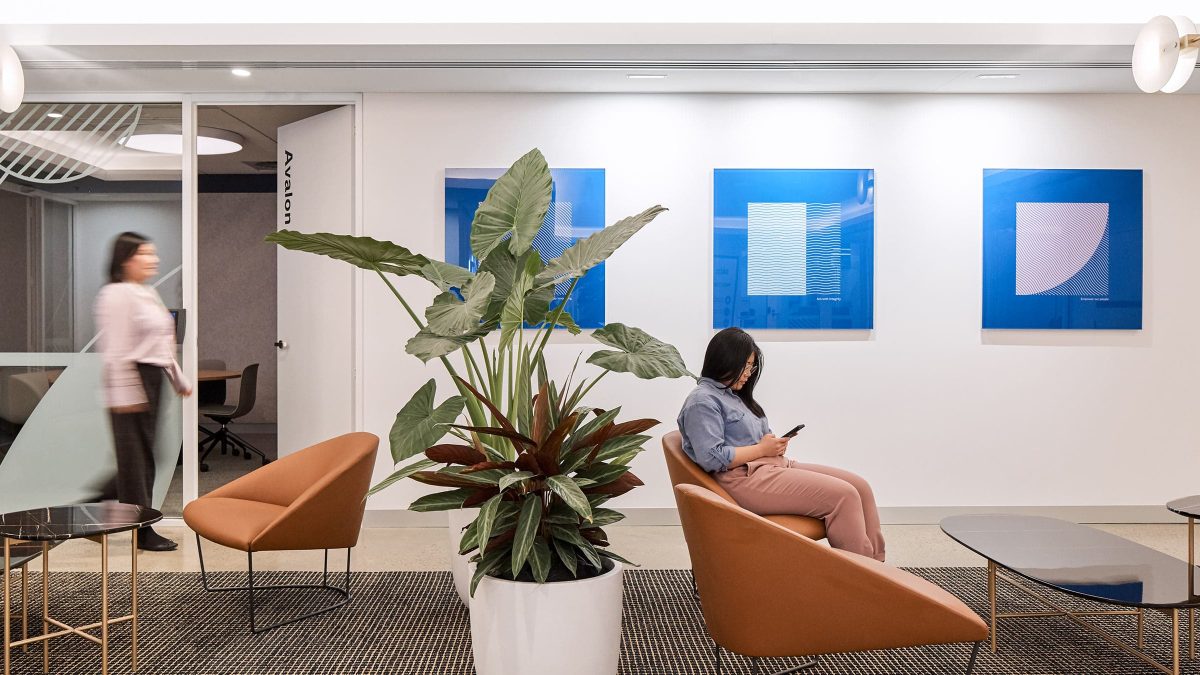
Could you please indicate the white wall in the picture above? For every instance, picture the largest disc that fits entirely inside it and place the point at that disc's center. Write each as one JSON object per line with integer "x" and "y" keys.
{"x": 934, "y": 411}
{"x": 97, "y": 224}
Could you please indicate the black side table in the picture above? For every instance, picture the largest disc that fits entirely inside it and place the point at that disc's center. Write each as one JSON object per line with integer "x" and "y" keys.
{"x": 1189, "y": 507}
{"x": 48, "y": 526}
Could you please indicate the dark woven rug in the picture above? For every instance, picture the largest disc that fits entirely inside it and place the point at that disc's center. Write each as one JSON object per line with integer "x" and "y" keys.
{"x": 412, "y": 623}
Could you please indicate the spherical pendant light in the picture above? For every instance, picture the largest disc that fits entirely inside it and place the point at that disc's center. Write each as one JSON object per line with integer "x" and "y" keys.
{"x": 1164, "y": 55}
{"x": 12, "y": 80}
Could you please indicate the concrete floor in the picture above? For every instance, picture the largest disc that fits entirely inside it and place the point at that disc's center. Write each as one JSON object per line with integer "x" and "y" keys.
{"x": 382, "y": 549}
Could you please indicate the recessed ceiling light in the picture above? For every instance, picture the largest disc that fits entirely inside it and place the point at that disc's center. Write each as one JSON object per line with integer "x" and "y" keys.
{"x": 646, "y": 76}
{"x": 998, "y": 76}
{"x": 54, "y": 115}
{"x": 209, "y": 141}
{"x": 240, "y": 72}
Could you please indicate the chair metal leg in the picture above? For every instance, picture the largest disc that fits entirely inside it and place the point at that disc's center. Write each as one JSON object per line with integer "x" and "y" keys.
{"x": 755, "y": 663}
{"x": 974, "y": 654}
{"x": 247, "y": 448}
{"x": 717, "y": 648}
{"x": 252, "y": 589}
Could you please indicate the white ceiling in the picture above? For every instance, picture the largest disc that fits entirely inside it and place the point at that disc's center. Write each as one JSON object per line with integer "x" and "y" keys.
{"x": 899, "y": 58}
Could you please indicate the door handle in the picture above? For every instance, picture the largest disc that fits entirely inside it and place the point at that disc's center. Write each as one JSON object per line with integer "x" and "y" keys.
{"x": 281, "y": 344}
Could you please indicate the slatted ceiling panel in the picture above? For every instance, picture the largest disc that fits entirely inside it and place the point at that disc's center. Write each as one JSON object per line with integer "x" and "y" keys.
{"x": 51, "y": 143}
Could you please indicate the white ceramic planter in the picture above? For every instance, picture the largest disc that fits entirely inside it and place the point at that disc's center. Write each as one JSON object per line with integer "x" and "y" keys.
{"x": 520, "y": 628}
{"x": 460, "y": 567}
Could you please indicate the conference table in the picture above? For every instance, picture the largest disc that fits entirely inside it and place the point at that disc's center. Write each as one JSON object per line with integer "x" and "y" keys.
{"x": 217, "y": 375}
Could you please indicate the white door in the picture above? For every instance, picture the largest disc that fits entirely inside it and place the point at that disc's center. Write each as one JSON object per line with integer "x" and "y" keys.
{"x": 315, "y": 296}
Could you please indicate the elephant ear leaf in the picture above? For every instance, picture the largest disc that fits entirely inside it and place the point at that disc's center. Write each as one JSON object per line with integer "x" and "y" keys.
{"x": 640, "y": 353}
{"x": 419, "y": 424}
{"x": 515, "y": 207}
{"x": 445, "y": 275}
{"x": 595, "y": 249}
{"x": 448, "y": 316}
{"x": 365, "y": 252}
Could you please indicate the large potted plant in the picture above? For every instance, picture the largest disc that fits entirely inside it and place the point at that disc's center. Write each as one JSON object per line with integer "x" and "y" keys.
{"x": 537, "y": 462}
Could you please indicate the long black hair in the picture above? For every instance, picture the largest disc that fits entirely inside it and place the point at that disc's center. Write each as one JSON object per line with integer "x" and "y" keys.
{"x": 125, "y": 246}
{"x": 725, "y": 359}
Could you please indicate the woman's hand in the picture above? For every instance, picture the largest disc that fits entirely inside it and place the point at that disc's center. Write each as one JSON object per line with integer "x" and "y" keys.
{"x": 772, "y": 446}
{"x": 186, "y": 392}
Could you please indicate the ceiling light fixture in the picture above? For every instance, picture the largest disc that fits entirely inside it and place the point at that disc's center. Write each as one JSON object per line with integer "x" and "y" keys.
{"x": 12, "y": 80}
{"x": 998, "y": 76}
{"x": 240, "y": 72}
{"x": 1164, "y": 54}
{"x": 646, "y": 76}
{"x": 54, "y": 115}
{"x": 209, "y": 141}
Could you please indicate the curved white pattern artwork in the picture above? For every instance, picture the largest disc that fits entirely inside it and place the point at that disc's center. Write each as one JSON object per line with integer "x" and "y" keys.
{"x": 793, "y": 248}
{"x": 1056, "y": 241}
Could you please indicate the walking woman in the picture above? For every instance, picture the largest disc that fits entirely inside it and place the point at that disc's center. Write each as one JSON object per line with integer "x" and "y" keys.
{"x": 137, "y": 343}
{"x": 725, "y": 431}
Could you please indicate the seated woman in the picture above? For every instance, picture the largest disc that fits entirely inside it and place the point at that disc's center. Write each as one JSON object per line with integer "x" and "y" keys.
{"x": 725, "y": 431}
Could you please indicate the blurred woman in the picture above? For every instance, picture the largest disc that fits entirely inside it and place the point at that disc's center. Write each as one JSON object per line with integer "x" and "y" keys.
{"x": 137, "y": 343}
{"x": 725, "y": 431}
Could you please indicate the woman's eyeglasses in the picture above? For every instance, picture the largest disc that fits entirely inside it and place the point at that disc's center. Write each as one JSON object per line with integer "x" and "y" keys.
{"x": 750, "y": 370}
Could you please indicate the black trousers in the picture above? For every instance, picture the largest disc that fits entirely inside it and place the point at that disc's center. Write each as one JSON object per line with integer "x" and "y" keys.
{"x": 133, "y": 434}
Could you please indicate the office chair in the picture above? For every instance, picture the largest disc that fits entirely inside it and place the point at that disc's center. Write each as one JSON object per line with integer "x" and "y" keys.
{"x": 224, "y": 414}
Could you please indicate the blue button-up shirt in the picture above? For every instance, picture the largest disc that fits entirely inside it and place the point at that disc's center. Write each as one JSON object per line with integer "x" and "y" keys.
{"x": 714, "y": 421}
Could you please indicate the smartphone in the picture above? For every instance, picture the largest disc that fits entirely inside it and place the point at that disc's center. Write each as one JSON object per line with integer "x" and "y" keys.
{"x": 795, "y": 430}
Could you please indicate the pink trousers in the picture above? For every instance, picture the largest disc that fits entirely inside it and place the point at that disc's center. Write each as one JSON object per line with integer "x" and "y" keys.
{"x": 844, "y": 500}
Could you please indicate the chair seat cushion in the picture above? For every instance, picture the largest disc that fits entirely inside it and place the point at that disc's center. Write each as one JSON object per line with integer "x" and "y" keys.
{"x": 813, "y": 528}
{"x": 235, "y": 523}
{"x": 217, "y": 410}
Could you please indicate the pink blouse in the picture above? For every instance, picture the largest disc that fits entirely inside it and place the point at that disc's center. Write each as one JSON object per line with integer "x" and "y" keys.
{"x": 135, "y": 327}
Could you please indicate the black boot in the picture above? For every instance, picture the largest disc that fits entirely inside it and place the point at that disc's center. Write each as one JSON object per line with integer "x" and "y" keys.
{"x": 149, "y": 540}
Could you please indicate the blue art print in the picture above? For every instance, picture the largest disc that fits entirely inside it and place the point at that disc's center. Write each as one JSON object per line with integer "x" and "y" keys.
{"x": 576, "y": 211}
{"x": 1062, "y": 248}
{"x": 793, "y": 248}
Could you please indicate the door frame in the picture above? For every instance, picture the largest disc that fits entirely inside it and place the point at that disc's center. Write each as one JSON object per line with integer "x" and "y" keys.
{"x": 191, "y": 103}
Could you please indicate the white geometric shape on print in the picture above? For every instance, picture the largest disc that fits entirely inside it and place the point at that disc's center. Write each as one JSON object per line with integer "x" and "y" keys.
{"x": 777, "y": 248}
{"x": 555, "y": 236}
{"x": 824, "y": 249}
{"x": 1055, "y": 241}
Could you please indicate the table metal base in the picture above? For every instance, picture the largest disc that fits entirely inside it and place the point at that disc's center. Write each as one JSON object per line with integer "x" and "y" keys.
{"x": 1078, "y": 618}
{"x": 65, "y": 629}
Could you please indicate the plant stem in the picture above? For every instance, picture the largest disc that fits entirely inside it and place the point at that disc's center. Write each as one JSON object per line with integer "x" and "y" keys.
{"x": 592, "y": 384}
{"x": 557, "y": 315}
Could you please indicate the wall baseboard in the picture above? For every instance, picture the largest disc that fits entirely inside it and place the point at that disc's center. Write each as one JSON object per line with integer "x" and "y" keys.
{"x": 890, "y": 515}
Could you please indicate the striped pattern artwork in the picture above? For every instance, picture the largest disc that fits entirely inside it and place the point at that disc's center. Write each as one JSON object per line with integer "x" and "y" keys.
{"x": 556, "y": 235}
{"x": 1062, "y": 249}
{"x": 793, "y": 249}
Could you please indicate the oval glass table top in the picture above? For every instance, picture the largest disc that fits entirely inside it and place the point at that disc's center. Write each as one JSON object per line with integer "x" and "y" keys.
{"x": 1077, "y": 559}
{"x": 1186, "y": 506}
{"x": 56, "y": 523}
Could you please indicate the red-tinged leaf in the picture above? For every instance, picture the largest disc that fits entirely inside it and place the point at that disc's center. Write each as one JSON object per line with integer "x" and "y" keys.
{"x": 484, "y": 466}
{"x": 500, "y": 540}
{"x": 527, "y": 462}
{"x": 444, "y": 479}
{"x": 454, "y": 453}
{"x": 620, "y": 486}
{"x": 500, "y": 418}
{"x": 541, "y": 414}
{"x": 611, "y": 431}
{"x": 512, "y": 435}
{"x": 595, "y": 536}
{"x": 480, "y": 496}
{"x": 547, "y": 454}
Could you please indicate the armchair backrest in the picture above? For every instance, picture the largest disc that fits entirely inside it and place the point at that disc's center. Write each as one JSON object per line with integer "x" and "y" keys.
{"x": 767, "y": 591}
{"x": 684, "y": 471}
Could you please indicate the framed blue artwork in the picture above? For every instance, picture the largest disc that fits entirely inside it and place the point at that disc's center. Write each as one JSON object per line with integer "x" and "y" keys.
{"x": 1062, "y": 248}
{"x": 576, "y": 211}
{"x": 793, "y": 248}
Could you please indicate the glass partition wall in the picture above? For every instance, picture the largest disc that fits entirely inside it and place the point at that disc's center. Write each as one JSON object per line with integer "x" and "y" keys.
{"x": 71, "y": 180}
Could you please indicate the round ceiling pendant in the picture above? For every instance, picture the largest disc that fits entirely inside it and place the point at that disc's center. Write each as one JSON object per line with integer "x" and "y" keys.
{"x": 1156, "y": 53}
{"x": 12, "y": 80}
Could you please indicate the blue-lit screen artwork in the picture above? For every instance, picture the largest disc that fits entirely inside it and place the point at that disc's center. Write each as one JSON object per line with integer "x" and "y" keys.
{"x": 576, "y": 211}
{"x": 793, "y": 248}
{"x": 1062, "y": 248}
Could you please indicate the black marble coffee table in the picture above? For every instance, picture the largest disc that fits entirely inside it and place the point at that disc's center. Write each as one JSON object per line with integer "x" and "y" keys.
{"x": 1080, "y": 561}
{"x": 45, "y": 527}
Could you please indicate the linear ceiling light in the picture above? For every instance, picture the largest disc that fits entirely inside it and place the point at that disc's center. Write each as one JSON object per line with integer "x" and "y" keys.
{"x": 12, "y": 80}
{"x": 1164, "y": 54}
{"x": 209, "y": 141}
{"x": 998, "y": 76}
{"x": 646, "y": 76}
{"x": 240, "y": 72}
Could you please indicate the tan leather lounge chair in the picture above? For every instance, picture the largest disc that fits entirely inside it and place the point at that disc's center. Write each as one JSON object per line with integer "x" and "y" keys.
{"x": 684, "y": 470}
{"x": 766, "y": 592}
{"x": 312, "y": 499}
